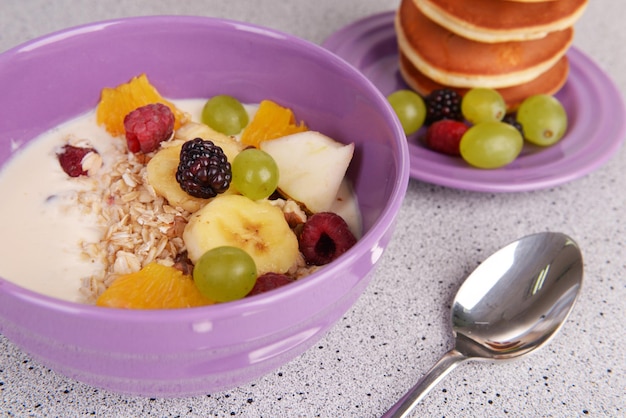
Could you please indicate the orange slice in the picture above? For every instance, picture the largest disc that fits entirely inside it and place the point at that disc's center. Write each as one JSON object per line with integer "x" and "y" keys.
{"x": 271, "y": 121}
{"x": 153, "y": 287}
{"x": 116, "y": 103}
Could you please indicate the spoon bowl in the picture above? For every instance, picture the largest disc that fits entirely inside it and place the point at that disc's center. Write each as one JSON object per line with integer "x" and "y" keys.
{"x": 513, "y": 303}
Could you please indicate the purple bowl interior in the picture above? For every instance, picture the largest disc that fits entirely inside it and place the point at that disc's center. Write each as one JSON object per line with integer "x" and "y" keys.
{"x": 55, "y": 78}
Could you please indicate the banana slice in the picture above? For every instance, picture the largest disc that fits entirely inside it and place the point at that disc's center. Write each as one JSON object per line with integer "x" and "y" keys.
{"x": 256, "y": 227}
{"x": 228, "y": 144}
{"x": 162, "y": 167}
{"x": 162, "y": 177}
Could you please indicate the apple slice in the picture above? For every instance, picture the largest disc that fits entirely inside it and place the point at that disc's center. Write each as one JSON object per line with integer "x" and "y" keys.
{"x": 311, "y": 167}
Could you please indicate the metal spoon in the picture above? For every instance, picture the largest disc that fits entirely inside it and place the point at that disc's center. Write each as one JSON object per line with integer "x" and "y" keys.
{"x": 513, "y": 303}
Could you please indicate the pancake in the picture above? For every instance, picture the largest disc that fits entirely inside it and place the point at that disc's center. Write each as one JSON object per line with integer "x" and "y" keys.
{"x": 455, "y": 61}
{"x": 549, "y": 82}
{"x": 502, "y": 21}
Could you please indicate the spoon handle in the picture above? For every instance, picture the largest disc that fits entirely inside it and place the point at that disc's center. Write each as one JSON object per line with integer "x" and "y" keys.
{"x": 440, "y": 370}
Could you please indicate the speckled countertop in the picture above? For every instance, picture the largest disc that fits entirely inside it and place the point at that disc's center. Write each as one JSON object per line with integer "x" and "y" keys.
{"x": 399, "y": 327}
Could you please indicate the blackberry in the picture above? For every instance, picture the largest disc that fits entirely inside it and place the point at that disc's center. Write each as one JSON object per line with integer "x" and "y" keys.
{"x": 443, "y": 104}
{"x": 511, "y": 120}
{"x": 204, "y": 170}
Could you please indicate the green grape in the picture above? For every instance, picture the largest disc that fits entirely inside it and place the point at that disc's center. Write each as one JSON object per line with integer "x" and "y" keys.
{"x": 543, "y": 119}
{"x": 255, "y": 173}
{"x": 225, "y": 114}
{"x": 491, "y": 144}
{"x": 225, "y": 273}
{"x": 483, "y": 105}
{"x": 410, "y": 109}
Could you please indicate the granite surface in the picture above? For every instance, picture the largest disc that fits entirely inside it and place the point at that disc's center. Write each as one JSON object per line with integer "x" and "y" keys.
{"x": 400, "y": 326}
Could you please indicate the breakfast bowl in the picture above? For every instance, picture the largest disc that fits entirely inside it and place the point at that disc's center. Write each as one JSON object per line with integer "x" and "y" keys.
{"x": 185, "y": 352}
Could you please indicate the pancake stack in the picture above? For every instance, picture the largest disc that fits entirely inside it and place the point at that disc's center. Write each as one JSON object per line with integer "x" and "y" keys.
{"x": 517, "y": 47}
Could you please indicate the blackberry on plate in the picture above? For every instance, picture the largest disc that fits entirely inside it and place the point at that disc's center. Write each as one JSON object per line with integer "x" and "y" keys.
{"x": 511, "y": 120}
{"x": 443, "y": 104}
{"x": 204, "y": 170}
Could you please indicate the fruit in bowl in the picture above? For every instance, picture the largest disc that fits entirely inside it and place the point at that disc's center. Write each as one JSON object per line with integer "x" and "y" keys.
{"x": 172, "y": 195}
{"x": 181, "y": 352}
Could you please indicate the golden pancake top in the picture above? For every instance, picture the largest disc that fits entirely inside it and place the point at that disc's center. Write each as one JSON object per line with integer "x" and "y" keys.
{"x": 502, "y": 21}
{"x": 456, "y": 61}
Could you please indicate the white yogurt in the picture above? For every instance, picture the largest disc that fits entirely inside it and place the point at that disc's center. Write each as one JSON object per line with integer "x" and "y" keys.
{"x": 41, "y": 233}
{"x": 42, "y": 230}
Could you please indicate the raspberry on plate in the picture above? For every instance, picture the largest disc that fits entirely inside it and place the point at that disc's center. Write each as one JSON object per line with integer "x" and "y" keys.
{"x": 445, "y": 135}
{"x": 147, "y": 126}
{"x": 324, "y": 237}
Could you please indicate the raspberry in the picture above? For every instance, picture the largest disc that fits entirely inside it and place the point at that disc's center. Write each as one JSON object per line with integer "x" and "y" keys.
{"x": 445, "y": 135}
{"x": 204, "y": 170}
{"x": 147, "y": 126}
{"x": 324, "y": 237}
{"x": 443, "y": 104}
{"x": 269, "y": 281}
{"x": 71, "y": 160}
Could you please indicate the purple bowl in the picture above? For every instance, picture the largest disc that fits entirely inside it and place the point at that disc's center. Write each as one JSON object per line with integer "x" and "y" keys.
{"x": 200, "y": 350}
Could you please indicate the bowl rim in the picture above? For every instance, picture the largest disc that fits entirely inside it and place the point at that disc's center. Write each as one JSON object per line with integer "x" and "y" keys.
{"x": 368, "y": 241}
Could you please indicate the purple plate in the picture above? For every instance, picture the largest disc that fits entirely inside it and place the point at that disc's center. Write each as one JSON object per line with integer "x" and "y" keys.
{"x": 593, "y": 104}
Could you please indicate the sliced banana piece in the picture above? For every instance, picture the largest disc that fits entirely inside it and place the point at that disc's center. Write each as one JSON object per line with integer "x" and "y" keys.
{"x": 228, "y": 144}
{"x": 256, "y": 227}
{"x": 162, "y": 177}
{"x": 162, "y": 167}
